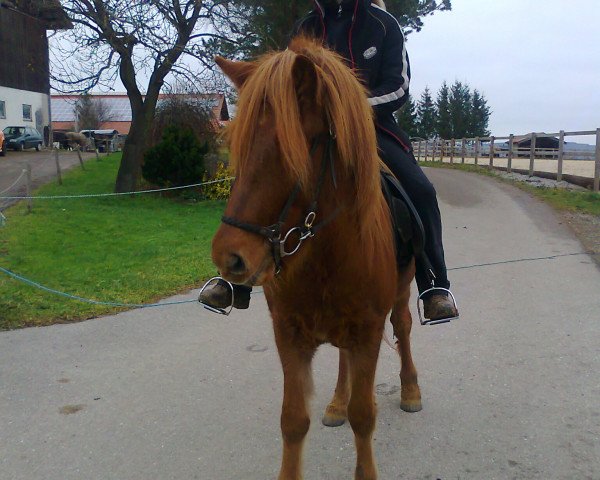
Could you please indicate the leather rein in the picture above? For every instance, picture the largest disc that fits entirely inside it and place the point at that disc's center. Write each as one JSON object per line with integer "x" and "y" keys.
{"x": 307, "y": 229}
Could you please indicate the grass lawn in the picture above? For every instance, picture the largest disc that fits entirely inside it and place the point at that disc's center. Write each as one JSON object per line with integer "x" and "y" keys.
{"x": 575, "y": 201}
{"x": 130, "y": 249}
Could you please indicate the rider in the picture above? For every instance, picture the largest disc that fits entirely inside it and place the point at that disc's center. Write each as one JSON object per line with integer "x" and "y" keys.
{"x": 372, "y": 42}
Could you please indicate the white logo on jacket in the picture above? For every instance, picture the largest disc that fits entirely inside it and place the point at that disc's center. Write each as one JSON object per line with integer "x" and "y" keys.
{"x": 370, "y": 53}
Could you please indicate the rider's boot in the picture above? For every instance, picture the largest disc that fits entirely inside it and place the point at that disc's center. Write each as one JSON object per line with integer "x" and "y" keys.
{"x": 218, "y": 295}
{"x": 439, "y": 307}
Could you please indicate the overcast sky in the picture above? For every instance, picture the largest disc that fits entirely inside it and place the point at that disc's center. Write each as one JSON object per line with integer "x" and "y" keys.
{"x": 536, "y": 61}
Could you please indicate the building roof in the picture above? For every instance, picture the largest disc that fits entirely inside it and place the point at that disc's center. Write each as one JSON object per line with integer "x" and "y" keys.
{"x": 49, "y": 11}
{"x": 119, "y": 108}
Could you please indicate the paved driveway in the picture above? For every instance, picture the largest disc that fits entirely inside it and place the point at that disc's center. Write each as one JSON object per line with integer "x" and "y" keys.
{"x": 511, "y": 390}
{"x": 43, "y": 168}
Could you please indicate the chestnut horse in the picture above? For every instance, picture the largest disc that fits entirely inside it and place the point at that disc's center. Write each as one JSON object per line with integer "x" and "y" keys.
{"x": 307, "y": 220}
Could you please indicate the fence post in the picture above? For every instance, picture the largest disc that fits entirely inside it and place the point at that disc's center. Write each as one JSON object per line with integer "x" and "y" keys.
{"x": 532, "y": 154}
{"x": 597, "y": 169}
{"x": 58, "y": 172}
{"x": 477, "y": 151}
{"x": 511, "y": 144}
{"x": 561, "y": 153}
{"x": 426, "y": 145}
{"x": 464, "y": 150}
{"x": 452, "y": 146}
{"x": 419, "y": 151}
{"x": 79, "y": 155}
{"x": 492, "y": 140}
{"x": 442, "y": 149}
{"x": 97, "y": 155}
{"x": 29, "y": 188}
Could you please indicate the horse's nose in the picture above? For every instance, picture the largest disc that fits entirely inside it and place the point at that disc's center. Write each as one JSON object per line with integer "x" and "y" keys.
{"x": 236, "y": 264}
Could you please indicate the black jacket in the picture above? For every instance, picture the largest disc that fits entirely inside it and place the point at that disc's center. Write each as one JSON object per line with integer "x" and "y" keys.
{"x": 372, "y": 42}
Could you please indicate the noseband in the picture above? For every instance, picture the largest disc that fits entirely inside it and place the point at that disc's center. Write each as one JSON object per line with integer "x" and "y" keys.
{"x": 307, "y": 229}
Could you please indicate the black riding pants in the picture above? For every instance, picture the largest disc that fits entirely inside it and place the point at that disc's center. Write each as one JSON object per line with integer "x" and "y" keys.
{"x": 423, "y": 195}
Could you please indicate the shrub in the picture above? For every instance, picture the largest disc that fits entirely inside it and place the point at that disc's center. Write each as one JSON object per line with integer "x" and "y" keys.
{"x": 177, "y": 160}
{"x": 221, "y": 190}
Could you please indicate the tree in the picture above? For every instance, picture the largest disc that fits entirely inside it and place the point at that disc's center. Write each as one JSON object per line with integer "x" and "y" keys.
{"x": 480, "y": 116}
{"x": 443, "y": 122}
{"x": 426, "y": 115}
{"x": 460, "y": 110}
{"x": 407, "y": 117}
{"x": 91, "y": 112}
{"x": 177, "y": 160}
{"x": 185, "y": 111}
{"x": 411, "y": 12}
{"x": 457, "y": 113}
{"x": 132, "y": 40}
{"x": 256, "y": 26}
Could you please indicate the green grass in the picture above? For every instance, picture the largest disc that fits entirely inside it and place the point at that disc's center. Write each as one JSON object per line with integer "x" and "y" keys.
{"x": 575, "y": 201}
{"x": 132, "y": 249}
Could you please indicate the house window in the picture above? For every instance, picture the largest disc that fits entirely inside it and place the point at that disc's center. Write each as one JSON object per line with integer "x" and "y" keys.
{"x": 2, "y": 109}
{"x": 27, "y": 113}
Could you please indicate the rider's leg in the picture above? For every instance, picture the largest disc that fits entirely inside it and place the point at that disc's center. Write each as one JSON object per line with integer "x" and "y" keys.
{"x": 423, "y": 195}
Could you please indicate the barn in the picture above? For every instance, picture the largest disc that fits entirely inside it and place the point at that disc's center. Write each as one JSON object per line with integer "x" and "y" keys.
{"x": 117, "y": 109}
{"x": 545, "y": 146}
{"x": 24, "y": 61}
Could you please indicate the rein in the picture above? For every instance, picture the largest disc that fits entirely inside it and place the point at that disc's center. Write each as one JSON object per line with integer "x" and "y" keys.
{"x": 308, "y": 229}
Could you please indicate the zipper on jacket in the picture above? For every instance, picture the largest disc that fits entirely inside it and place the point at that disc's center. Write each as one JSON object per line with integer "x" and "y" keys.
{"x": 339, "y": 14}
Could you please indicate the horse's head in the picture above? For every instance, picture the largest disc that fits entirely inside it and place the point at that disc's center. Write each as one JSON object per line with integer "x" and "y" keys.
{"x": 289, "y": 102}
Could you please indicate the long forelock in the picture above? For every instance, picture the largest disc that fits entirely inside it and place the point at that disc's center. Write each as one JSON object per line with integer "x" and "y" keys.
{"x": 271, "y": 90}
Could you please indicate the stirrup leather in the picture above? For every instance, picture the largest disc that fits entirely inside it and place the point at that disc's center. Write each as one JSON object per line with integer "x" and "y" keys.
{"x": 210, "y": 308}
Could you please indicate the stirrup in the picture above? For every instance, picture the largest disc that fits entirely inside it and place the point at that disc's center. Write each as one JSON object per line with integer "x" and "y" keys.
{"x": 210, "y": 308}
{"x": 425, "y": 321}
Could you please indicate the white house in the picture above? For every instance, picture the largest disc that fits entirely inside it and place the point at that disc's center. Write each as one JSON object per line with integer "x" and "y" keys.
{"x": 24, "y": 61}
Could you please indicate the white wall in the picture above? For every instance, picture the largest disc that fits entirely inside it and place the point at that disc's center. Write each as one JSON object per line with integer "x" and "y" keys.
{"x": 14, "y": 100}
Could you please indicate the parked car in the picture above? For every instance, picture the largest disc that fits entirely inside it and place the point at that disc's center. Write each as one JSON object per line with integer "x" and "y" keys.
{"x": 20, "y": 138}
{"x": 2, "y": 144}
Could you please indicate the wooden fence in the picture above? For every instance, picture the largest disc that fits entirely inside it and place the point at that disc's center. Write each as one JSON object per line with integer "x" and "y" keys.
{"x": 488, "y": 148}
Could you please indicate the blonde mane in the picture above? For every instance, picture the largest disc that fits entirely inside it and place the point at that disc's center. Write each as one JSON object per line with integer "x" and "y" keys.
{"x": 341, "y": 98}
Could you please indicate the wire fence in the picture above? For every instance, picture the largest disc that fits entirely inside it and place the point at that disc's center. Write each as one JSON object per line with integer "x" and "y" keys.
{"x": 27, "y": 174}
{"x": 114, "y": 194}
{"x": 29, "y": 197}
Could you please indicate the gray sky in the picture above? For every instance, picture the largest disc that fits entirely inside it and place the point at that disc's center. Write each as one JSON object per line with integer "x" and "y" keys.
{"x": 536, "y": 61}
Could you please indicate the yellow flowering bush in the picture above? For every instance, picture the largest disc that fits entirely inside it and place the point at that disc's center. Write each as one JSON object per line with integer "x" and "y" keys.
{"x": 220, "y": 190}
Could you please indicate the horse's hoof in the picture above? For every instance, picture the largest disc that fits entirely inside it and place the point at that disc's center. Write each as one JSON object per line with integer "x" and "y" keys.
{"x": 333, "y": 417}
{"x": 411, "y": 406}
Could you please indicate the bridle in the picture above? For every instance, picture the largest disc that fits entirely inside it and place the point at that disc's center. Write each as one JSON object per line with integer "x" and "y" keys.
{"x": 307, "y": 229}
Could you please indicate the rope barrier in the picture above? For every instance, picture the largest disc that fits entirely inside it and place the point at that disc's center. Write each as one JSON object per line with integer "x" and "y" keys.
{"x": 165, "y": 304}
{"x": 98, "y": 195}
{"x": 87, "y": 300}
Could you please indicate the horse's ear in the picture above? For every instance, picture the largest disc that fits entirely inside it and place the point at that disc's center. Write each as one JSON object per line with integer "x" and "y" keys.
{"x": 305, "y": 80}
{"x": 238, "y": 72}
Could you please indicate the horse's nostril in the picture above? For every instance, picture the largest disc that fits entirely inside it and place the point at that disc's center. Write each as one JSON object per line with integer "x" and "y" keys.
{"x": 236, "y": 264}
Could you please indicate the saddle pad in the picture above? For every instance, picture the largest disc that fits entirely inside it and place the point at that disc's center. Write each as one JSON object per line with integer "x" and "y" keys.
{"x": 409, "y": 234}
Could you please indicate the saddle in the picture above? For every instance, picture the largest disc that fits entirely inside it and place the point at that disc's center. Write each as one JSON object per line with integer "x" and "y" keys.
{"x": 409, "y": 234}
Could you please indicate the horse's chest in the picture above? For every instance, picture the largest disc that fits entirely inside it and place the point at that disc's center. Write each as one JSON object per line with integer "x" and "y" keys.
{"x": 342, "y": 331}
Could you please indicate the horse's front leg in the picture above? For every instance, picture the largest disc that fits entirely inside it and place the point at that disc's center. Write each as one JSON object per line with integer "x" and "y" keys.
{"x": 401, "y": 319}
{"x": 362, "y": 410}
{"x": 337, "y": 410}
{"x": 297, "y": 387}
